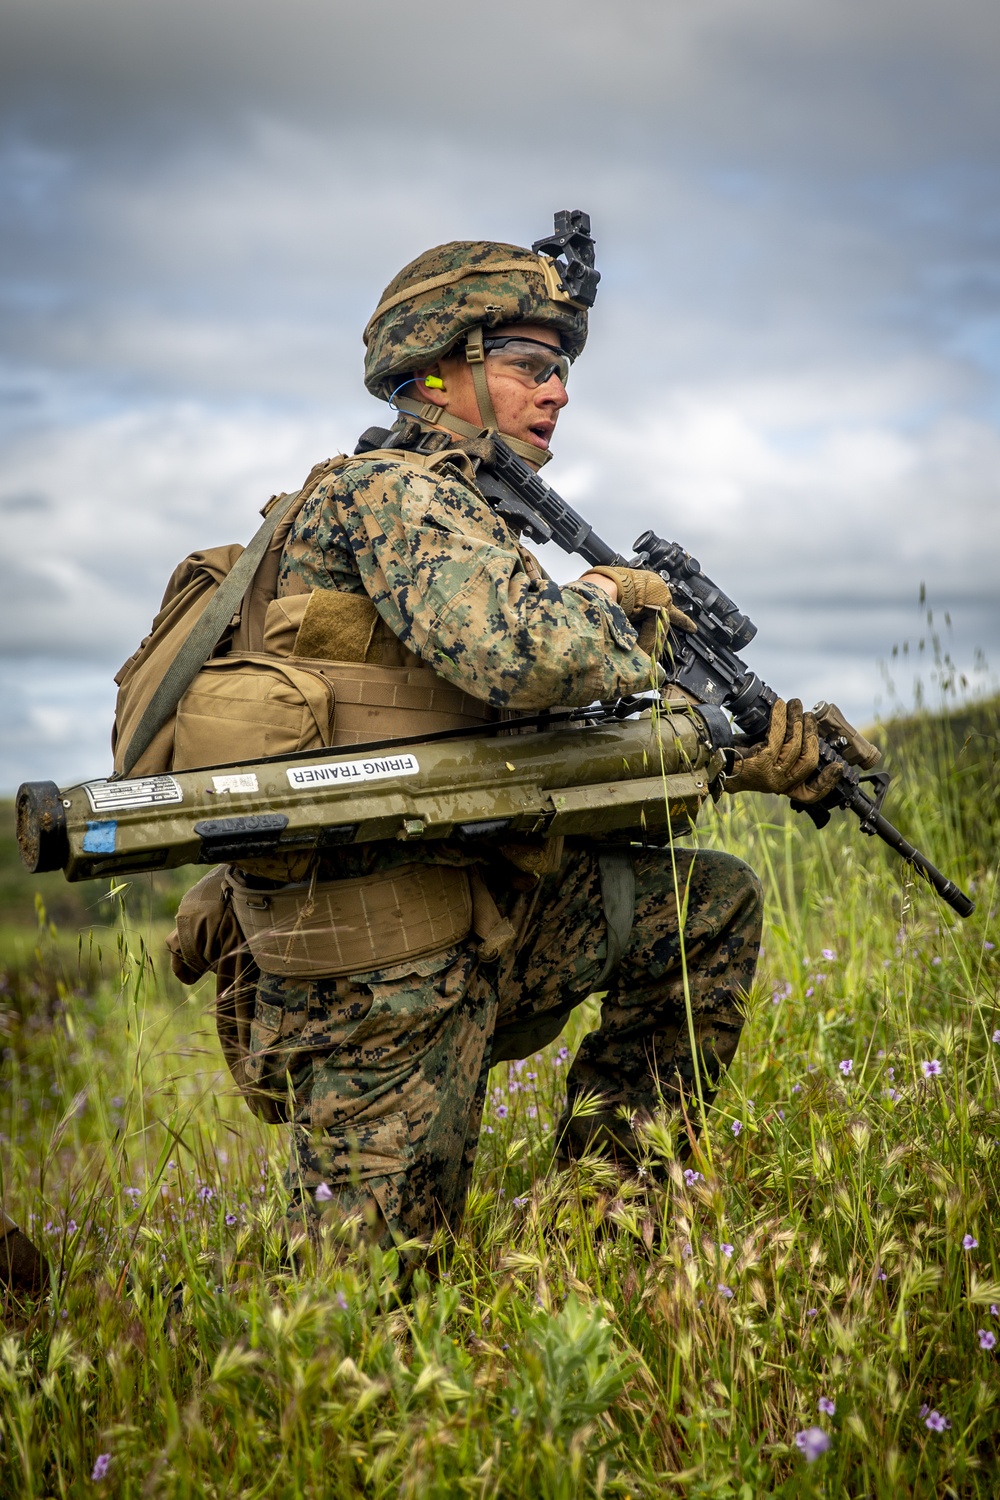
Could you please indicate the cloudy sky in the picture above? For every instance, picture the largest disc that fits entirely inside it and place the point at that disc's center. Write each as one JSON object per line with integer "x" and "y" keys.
{"x": 795, "y": 360}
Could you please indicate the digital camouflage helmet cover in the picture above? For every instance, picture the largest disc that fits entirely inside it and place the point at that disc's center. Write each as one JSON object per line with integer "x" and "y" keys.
{"x": 456, "y": 291}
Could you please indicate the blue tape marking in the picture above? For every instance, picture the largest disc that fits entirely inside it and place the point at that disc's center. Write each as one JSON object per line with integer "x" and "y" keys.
{"x": 100, "y": 838}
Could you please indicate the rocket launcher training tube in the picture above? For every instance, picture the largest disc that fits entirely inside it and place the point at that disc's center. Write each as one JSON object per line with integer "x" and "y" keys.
{"x": 648, "y": 773}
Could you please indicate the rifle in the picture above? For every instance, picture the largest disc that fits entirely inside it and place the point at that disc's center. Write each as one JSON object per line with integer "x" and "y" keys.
{"x": 706, "y": 664}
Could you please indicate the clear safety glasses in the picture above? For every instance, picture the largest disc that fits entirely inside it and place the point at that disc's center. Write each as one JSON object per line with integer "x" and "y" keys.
{"x": 527, "y": 360}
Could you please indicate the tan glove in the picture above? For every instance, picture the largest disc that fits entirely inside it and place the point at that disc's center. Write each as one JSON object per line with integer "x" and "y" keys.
{"x": 786, "y": 760}
{"x": 646, "y": 599}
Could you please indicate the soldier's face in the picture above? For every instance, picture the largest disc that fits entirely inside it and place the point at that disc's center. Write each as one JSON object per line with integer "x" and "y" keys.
{"x": 524, "y": 410}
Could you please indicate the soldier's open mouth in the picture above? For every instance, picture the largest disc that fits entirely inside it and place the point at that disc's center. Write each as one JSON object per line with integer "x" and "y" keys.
{"x": 542, "y": 431}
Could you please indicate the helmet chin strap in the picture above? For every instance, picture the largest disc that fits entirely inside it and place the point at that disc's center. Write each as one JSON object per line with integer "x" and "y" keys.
{"x": 475, "y": 356}
{"x": 438, "y": 417}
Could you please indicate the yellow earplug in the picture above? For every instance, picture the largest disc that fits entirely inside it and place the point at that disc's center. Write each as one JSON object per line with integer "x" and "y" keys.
{"x": 434, "y": 381}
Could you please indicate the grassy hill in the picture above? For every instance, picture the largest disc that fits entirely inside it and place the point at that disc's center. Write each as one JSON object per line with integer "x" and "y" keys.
{"x": 809, "y": 1305}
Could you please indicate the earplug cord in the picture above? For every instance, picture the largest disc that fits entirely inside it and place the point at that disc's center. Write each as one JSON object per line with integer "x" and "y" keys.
{"x": 392, "y": 399}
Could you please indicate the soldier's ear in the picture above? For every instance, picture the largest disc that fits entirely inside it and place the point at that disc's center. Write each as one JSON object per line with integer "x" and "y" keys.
{"x": 430, "y": 385}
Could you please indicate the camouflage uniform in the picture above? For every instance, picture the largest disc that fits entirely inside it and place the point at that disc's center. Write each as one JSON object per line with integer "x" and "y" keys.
{"x": 455, "y": 587}
{"x": 388, "y": 1069}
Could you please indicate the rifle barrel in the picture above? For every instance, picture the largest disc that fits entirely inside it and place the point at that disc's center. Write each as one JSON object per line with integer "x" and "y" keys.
{"x": 872, "y": 821}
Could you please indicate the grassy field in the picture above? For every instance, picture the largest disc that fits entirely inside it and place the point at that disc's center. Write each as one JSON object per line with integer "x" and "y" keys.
{"x": 809, "y": 1306}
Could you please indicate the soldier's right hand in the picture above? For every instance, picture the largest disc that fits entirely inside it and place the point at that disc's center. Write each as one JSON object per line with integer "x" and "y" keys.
{"x": 786, "y": 761}
{"x": 647, "y": 601}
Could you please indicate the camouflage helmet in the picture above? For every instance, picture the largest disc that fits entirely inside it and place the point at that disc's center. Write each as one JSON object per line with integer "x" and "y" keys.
{"x": 454, "y": 288}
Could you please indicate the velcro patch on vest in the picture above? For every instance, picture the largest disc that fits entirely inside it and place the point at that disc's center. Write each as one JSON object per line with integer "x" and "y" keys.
{"x": 302, "y": 778}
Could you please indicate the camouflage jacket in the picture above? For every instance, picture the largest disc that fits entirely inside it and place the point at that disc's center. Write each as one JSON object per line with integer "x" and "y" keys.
{"x": 455, "y": 586}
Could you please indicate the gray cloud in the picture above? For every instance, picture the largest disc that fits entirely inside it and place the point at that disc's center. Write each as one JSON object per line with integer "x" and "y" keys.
{"x": 795, "y": 358}
{"x": 877, "y": 80}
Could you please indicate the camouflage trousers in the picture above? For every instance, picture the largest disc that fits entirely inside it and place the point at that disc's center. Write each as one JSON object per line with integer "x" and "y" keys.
{"x": 385, "y": 1074}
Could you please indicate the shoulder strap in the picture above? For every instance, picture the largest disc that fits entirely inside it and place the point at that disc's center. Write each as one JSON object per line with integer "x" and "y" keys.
{"x": 205, "y": 636}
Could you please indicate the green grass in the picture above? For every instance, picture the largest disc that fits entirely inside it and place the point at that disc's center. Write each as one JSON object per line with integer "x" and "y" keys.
{"x": 667, "y": 1337}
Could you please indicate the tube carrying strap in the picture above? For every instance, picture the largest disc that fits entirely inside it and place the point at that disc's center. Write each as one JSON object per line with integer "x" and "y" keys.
{"x": 208, "y": 631}
{"x": 617, "y": 874}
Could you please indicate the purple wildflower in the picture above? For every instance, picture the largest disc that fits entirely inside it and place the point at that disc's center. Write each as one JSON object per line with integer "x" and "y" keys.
{"x": 812, "y": 1442}
{"x": 501, "y": 1111}
{"x": 994, "y": 1310}
{"x": 987, "y": 1340}
{"x": 811, "y": 1312}
{"x": 726, "y": 1291}
{"x": 341, "y": 1301}
{"x": 936, "y": 1422}
{"x": 809, "y": 993}
{"x": 519, "y": 1202}
{"x": 726, "y": 1249}
{"x": 796, "y": 1088}
{"x": 996, "y": 1036}
{"x": 100, "y": 1468}
{"x": 205, "y": 1193}
{"x": 969, "y": 1242}
{"x": 736, "y": 1127}
{"x": 323, "y": 1193}
{"x": 563, "y": 1054}
{"x": 827, "y": 1406}
{"x": 829, "y": 955}
{"x": 691, "y": 1176}
{"x": 846, "y": 1066}
{"x": 532, "y": 1112}
{"x": 988, "y": 947}
{"x": 931, "y": 1068}
{"x": 230, "y": 1220}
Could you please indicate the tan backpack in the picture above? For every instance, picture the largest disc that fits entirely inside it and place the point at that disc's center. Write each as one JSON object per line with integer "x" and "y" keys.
{"x": 203, "y": 688}
{"x": 230, "y": 673}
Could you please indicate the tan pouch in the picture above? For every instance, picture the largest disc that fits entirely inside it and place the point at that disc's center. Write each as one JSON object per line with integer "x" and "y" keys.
{"x": 208, "y": 938}
{"x": 206, "y": 928}
{"x": 332, "y": 927}
{"x": 248, "y": 706}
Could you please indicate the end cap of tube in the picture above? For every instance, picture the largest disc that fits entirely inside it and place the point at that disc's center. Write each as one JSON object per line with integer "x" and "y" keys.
{"x": 41, "y": 827}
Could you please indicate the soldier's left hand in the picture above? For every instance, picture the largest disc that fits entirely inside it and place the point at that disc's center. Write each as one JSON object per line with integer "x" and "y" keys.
{"x": 786, "y": 761}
